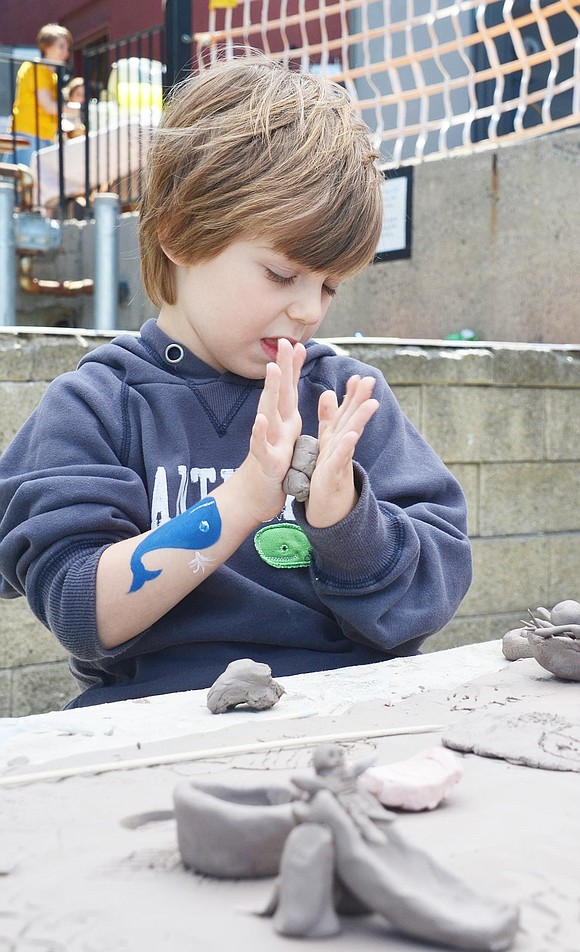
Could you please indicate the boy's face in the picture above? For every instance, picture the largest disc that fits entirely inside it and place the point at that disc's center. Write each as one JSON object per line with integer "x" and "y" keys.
{"x": 58, "y": 51}
{"x": 231, "y": 311}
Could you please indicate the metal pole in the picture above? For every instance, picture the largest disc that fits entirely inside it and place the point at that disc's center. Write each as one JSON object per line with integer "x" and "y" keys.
{"x": 106, "y": 251}
{"x": 7, "y": 256}
{"x": 178, "y": 34}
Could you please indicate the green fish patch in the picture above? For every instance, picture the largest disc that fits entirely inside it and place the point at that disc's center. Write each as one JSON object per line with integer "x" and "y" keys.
{"x": 284, "y": 546}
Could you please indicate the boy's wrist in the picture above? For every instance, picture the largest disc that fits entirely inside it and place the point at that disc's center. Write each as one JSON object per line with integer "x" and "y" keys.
{"x": 258, "y": 497}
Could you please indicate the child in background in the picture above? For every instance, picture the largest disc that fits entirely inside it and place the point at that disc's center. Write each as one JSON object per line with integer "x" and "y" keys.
{"x": 142, "y": 508}
{"x": 35, "y": 109}
{"x": 74, "y": 98}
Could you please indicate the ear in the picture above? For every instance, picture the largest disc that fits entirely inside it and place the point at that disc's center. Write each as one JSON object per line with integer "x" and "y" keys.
{"x": 162, "y": 239}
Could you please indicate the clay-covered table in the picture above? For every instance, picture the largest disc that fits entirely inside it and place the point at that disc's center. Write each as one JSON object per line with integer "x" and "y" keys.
{"x": 75, "y": 877}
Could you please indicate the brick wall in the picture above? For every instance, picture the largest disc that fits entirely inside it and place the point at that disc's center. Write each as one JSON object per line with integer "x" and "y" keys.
{"x": 504, "y": 417}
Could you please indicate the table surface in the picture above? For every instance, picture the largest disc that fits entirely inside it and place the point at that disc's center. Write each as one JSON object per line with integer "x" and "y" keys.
{"x": 74, "y": 878}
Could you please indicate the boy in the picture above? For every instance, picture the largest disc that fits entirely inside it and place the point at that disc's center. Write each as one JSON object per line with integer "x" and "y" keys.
{"x": 142, "y": 507}
{"x": 35, "y": 109}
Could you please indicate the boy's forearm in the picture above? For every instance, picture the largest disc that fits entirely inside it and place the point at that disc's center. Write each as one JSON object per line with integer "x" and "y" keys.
{"x": 140, "y": 579}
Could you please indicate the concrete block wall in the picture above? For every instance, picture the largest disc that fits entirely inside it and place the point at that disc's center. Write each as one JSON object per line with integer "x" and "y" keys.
{"x": 504, "y": 417}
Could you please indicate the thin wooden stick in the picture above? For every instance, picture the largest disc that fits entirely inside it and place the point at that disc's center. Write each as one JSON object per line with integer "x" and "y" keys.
{"x": 212, "y": 754}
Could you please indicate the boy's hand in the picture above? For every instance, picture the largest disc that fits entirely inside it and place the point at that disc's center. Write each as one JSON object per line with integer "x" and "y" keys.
{"x": 275, "y": 431}
{"x": 332, "y": 492}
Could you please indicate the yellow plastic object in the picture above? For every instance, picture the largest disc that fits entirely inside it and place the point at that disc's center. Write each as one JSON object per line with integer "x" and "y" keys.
{"x": 137, "y": 96}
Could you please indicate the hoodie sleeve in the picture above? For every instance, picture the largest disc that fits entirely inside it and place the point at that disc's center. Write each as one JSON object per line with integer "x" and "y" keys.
{"x": 65, "y": 494}
{"x": 397, "y": 567}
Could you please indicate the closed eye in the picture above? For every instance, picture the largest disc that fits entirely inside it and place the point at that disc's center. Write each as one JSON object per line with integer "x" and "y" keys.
{"x": 287, "y": 280}
{"x": 279, "y": 278}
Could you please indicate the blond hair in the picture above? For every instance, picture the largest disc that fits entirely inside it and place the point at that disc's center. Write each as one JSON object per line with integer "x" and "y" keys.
{"x": 249, "y": 150}
{"x": 50, "y": 33}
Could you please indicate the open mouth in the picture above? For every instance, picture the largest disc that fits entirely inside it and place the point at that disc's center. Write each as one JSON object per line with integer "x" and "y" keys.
{"x": 270, "y": 346}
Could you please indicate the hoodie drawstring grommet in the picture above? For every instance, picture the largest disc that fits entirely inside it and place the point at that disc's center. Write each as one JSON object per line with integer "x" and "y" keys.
{"x": 174, "y": 353}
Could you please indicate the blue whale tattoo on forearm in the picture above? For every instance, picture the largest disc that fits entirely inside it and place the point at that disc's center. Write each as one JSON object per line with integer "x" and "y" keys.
{"x": 196, "y": 528}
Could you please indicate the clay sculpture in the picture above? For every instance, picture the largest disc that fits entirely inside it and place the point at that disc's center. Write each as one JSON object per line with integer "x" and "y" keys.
{"x": 334, "y": 773}
{"x": 232, "y": 832}
{"x": 397, "y": 880}
{"x": 554, "y": 639}
{"x": 315, "y": 834}
{"x": 419, "y": 783}
{"x": 244, "y": 682}
{"x": 297, "y": 480}
{"x": 303, "y": 902}
{"x": 515, "y": 644}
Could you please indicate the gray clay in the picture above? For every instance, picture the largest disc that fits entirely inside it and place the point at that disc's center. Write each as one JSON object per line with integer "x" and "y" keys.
{"x": 554, "y": 639}
{"x": 320, "y": 845}
{"x": 231, "y": 832}
{"x": 416, "y": 895}
{"x": 515, "y": 645}
{"x": 533, "y": 738}
{"x": 333, "y": 772}
{"x": 297, "y": 480}
{"x": 244, "y": 682}
{"x": 303, "y": 898}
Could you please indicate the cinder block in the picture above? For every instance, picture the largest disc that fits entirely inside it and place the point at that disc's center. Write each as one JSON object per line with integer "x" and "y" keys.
{"x": 418, "y": 362}
{"x": 467, "y": 475}
{"x": 23, "y": 640}
{"x": 472, "y": 424}
{"x": 15, "y": 358}
{"x": 5, "y": 693}
{"x": 536, "y": 365}
{"x": 472, "y": 631}
{"x": 17, "y": 401}
{"x": 519, "y": 498}
{"x": 409, "y": 400}
{"x": 563, "y": 424}
{"x": 42, "y": 687}
{"x": 57, "y": 354}
{"x": 564, "y": 568}
{"x": 507, "y": 573}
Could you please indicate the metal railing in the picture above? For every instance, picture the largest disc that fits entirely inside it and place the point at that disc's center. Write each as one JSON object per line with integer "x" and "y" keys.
{"x": 124, "y": 91}
{"x": 123, "y": 85}
{"x": 17, "y": 138}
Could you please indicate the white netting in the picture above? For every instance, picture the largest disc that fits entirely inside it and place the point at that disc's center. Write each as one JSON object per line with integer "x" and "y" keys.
{"x": 431, "y": 77}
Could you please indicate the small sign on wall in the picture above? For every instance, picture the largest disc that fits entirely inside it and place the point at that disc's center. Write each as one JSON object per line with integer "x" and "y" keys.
{"x": 395, "y": 240}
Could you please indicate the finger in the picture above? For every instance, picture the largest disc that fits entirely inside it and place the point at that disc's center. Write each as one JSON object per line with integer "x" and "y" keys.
{"x": 327, "y": 409}
{"x": 359, "y": 389}
{"x": 270, "y": 397}
{"x": 354, "y": 412}
{"x": 259, "y": 438}
{"x": 288, "y": 394}
{"x": 362, "y": 415}
{"x": 343, "y": 440}
{"x": 299, "y": 356}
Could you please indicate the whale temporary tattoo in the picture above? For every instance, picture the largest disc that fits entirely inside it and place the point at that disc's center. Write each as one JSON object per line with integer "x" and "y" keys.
{"x": 196, "y": 528}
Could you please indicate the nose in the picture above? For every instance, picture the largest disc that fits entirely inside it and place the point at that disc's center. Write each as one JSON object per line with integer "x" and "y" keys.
{"x": 306, "y": 308}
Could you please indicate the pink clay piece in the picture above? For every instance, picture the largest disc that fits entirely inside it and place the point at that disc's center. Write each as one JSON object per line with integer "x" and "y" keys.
{"x": 419, "y": 783}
